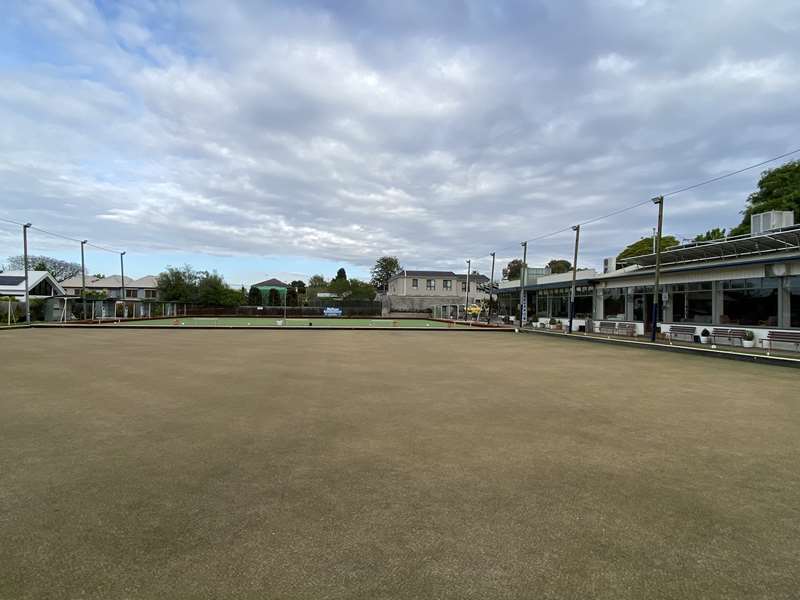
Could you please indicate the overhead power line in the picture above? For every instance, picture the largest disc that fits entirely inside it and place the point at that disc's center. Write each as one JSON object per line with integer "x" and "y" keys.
{"x": 649, "y": 201}
{"x": 61, "y": 236}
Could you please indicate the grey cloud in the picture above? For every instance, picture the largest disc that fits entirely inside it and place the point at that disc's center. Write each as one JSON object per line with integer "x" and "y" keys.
{"x": 435, "y": 131}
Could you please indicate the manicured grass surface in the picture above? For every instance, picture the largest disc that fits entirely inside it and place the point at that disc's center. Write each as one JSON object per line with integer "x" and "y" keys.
{"x": 291, "y": 322}
{"x": 266, "y": 464}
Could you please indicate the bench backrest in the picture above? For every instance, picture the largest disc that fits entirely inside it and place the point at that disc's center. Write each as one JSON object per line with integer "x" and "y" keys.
{"x": 681, "y": 329}
{"x": 721, "y": 331}
{"x": 784, "y": 336}
{"x": 737, "y": 333}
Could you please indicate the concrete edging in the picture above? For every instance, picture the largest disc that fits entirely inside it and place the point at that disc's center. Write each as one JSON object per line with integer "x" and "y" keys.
{"x": 780, "y": 361}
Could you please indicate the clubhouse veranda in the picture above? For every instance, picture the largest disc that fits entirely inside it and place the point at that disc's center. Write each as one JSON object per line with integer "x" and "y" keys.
{"x": 750, "y": 281}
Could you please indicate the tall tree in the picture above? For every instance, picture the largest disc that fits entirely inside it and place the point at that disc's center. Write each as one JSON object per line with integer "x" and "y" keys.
{"x": 513, "y": 269}
{"x": 254, "y": 297}
{"x": 559, "y": 265}
{"x": 296, "y": 293}
{"x": 341, "y": 273}
{"x": 710, "y": 235}
{"x": 178, "y": 284}
{"x": 317, "y": 281}
{"x": 384, "y": 268}
{"x": 361, "y": 290}
{"x": 339, "y": 286}
{"x": 213, "y": 291}
{"x": 778, "y": 189}
{"x": 59, "y": 269}
{"x": 645, "y": 246}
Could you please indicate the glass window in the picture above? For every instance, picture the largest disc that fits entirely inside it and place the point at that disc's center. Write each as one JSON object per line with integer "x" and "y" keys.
{"x": 447, "y": 284}
{"x": 614, "y": 304}
{"x": 415, "y": 283}
{"x": 131, "y": 293}
{"x": 750, "y": 302}
{"x": 463, "y": 286}
{"x": 794, "y": 300}
{"x": 430, "y": 284}
{"x": 150, "y": 293}
{"x": 691, "y": 303}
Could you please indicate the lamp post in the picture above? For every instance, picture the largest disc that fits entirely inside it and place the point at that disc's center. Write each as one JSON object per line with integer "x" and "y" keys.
{"x": 577, "y": 230}
{"x": 25, "y": 267}
{"x": 656, "y": 293}
{"x": 466, "y": 299}
{"x": 122, "y": 279}
{"x": 83, "y": 281}
{"x": 523, "y": 296}
{"x": 491, "y": 290}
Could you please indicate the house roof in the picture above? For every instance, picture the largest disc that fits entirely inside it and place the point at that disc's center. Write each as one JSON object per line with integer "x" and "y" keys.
{"x": 12, "y": 283}
{"x": 440, "y": 274}
{"x": 112, "y": 281}
{"x": 271, "y": 283}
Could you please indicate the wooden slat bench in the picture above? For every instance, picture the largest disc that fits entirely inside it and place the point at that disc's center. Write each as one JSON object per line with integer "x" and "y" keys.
{"x": 608, "y": 327}
{"x": 617, "y": 328}
{"x": 783, "y": 337}
{"x": 676, "y": 330}
{"x": 729, "y": 334}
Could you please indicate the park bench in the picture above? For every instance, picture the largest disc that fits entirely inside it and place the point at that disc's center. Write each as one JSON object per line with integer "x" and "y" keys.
{"x": 676, "y": 330}
{"x": 616, "y": 328}
{"x": 608, "y": 327}
{"x": 727, "y": 334}
{"x": 783, "y": 337}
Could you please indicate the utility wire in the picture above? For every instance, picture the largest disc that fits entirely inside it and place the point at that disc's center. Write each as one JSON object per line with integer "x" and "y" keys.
{"x": 58, "y": 235}
{"x": 673, "y": 193}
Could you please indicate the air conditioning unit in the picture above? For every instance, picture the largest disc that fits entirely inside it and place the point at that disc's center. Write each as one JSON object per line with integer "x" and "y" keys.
{"x": 769, "y": 221}
{"x": 610, "y": 264}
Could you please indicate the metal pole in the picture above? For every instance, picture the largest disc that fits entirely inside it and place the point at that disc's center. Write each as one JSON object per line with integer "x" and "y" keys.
{"x": 656, "y": 292}
{"x": 654, "y": 240}
{"x": 523, "y": 272}
{"x": 25, "y": 267}
{"x": 284, "y": 305}
{"x": 577, "y": 230}
{"x": 83, "y": 279}
{"x": 122, "y": 279}
{"x": 491, "y": 290}
{"x": 466, "y": 299}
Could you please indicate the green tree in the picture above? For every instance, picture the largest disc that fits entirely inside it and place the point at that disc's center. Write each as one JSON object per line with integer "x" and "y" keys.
{"x": 213, "y": 291}
{"x": 361, "y": 290}
{"x": 317, "y": 281}
{"x": 274, "y": 298}
{"x": 59, "y": 269}
{"x": 513, "y": 269}
{"x": 778, "y": 189}
{"x": 296, "y": 291}
{"x": 710, "y": 235}
{"x": 341, "y": 274}
{"x": 178, "y": 284}
{"x": 645, "y": 246}
{"x": 339, "y": 286}
{"x": 559, "y": 265}
{"x": 254, "y": 297}
{"x": 384, "y": 268}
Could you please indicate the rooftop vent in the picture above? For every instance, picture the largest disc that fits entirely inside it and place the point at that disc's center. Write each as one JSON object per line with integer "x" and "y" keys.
{"x": 769, "y": 221}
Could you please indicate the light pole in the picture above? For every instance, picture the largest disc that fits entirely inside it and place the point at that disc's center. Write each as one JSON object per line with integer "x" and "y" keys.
{"x": 25, "y": 267}
{"x": 523, "y": 296}
{"x": 577, "y": 230}
{"x": 656, "y": 294}
{"x": 83, "y": 281}
{"x": 466, "y": 299}
{"x": 122, "y": 279}
{"x": 491, "y": 290}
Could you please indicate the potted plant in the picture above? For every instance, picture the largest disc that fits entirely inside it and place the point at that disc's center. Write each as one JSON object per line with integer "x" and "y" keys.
{"x": 705, "y": 336}
{"x": 749, "y": 339}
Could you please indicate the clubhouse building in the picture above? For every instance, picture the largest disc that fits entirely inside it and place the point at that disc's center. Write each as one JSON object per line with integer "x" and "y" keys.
{"x": 748, "y": 281}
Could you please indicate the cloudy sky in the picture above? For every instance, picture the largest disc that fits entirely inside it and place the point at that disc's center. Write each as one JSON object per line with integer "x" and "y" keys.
{"x": 290, "y": 138}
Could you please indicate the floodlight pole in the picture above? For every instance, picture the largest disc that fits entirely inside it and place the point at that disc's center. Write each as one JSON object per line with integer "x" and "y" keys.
{"x": 83, "y": 281}
{"x": 577, "y": 230}
{"x": 285, "y": 295}
{"x": 656, "y": 292}
{"x": 122, "y": 279}
{"x": 491, "y": 290}
{"x": 466, "y": 298}
{"x": 25, "y": 267}
{"x": 523, "y": 313}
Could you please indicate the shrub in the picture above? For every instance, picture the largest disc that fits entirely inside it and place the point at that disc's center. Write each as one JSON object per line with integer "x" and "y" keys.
{"x": 749, "y": 336}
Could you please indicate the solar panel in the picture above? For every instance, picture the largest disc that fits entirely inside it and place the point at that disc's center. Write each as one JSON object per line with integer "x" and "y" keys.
{"x": 11, "y": 279}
